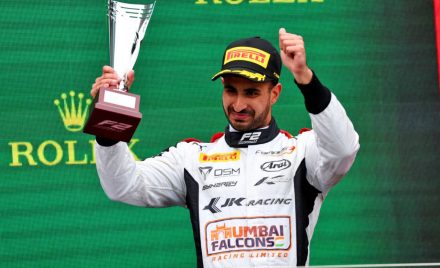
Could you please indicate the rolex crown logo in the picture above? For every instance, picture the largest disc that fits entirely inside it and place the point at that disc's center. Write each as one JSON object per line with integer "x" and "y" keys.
{"x": 73, "y": 114}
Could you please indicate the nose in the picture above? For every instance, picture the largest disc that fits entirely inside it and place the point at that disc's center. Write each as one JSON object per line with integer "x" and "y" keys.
{"x": 239, "y": 104}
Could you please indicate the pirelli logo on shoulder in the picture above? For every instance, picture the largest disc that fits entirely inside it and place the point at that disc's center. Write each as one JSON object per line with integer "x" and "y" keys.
{"x": 219, "y": 157}
{"x": 249, "y": 54}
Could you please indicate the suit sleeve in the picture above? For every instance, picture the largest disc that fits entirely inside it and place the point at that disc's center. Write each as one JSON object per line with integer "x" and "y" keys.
{"x": 332, "y": 145}
{"x": 155, "y": 182}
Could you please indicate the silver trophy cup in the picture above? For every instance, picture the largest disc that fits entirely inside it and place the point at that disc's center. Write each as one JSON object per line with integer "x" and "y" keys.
{"x": 115, "y": 113}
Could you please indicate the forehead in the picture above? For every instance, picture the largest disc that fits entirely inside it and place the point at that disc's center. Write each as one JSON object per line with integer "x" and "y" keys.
{"x": 239, "y": 82}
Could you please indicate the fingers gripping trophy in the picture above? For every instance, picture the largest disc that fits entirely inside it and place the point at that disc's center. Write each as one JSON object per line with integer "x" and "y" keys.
{"x": 115, "y": 112}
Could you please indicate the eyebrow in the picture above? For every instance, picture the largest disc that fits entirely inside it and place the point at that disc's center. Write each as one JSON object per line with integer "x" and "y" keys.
{"x": 247, "y": 90}
{"x": 252, "y": 90}
{"x": 227, "y": 86}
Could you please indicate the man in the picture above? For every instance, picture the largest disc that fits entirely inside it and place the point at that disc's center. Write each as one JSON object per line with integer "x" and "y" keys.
{"x": 253, "y": 193}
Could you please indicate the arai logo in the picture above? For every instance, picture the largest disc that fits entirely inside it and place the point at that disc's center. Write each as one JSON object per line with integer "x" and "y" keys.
{"x": 274, "y": 166}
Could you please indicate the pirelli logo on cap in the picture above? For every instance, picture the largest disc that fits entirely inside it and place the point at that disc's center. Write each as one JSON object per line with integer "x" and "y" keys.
{"x": 220, "y": 157}
{"x": 249, "y": 54}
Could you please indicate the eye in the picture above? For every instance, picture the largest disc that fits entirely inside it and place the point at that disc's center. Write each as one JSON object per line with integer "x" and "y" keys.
{"x": 252, "y": 92}
{"x": 230, "y": 90}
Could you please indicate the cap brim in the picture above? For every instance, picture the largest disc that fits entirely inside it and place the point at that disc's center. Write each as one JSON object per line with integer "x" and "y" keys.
{"x": 246, "y": 73}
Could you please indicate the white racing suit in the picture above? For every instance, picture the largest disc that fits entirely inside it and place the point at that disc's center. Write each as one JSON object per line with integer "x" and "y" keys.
{"x": 253, "y": 197}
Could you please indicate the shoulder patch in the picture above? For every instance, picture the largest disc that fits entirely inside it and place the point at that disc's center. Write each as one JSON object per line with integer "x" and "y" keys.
{"x": 304, "y": 130}
{"x": 216, "y": 136}
{"x": 287, "y": 134}
{"x": 190, "y": 140}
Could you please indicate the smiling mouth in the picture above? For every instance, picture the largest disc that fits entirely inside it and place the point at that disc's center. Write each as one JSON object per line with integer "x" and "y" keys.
{"x": 240, "y": 116}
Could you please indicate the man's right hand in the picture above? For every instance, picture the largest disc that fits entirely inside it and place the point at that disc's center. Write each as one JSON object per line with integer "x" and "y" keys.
{"x": 110, "y": 79}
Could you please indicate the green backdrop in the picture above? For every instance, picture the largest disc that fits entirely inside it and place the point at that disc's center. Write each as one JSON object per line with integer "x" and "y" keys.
{"x": 378, "y": 57}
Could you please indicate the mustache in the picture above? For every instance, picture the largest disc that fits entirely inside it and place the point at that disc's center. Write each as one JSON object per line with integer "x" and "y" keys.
{"x": 244, "y": 111}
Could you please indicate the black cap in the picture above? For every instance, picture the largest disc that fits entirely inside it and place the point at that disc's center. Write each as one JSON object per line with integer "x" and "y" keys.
{"x": 253, "y": 58}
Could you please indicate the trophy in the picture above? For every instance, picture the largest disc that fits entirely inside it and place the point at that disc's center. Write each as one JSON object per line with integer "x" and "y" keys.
{"x": 115, "y": 112}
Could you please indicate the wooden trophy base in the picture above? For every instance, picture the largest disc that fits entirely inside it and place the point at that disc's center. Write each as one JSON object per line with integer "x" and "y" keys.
{"x": 115, "y": 115}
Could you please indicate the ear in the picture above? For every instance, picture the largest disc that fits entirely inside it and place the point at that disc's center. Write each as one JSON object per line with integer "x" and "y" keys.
{"x": 275, "y": 93}
{"x": 223, "y": 80}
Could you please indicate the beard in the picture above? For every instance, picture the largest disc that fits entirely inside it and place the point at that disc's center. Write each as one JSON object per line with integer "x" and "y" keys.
{"x": 257, "y": 121}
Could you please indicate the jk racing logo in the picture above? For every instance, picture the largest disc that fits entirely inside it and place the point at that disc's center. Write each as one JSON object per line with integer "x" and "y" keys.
{"x": 70, "y": 114}
{"x": 248, "y": 234}
{"x": 217, "y": 203}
